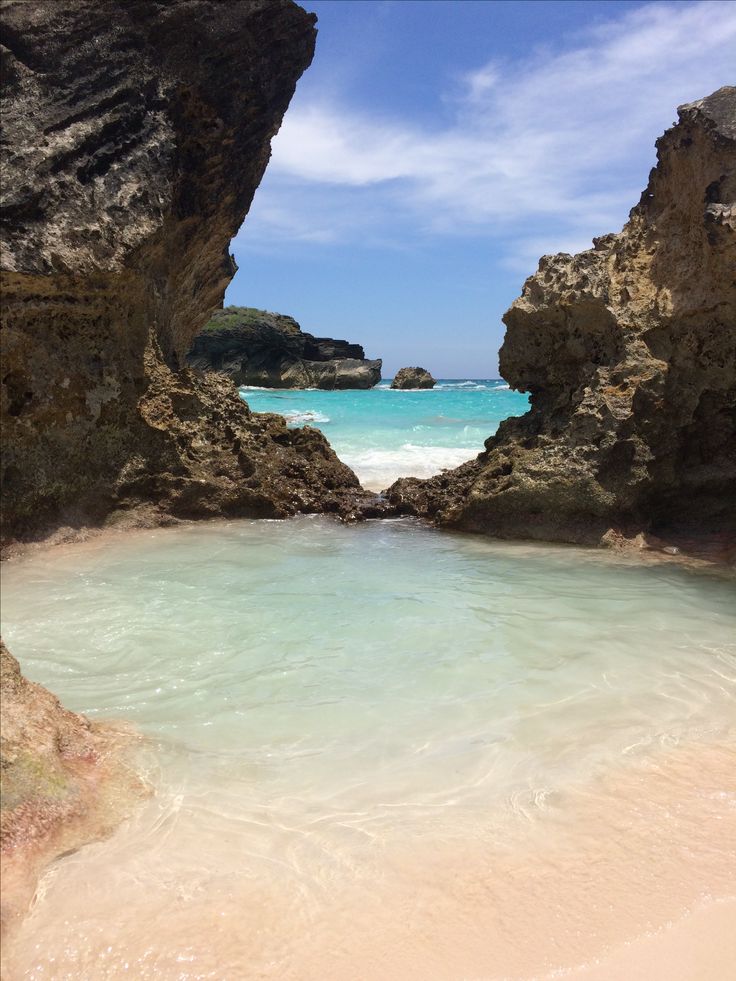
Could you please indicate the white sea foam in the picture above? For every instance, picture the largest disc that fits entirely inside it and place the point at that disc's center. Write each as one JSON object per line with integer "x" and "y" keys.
{"x": 463, "y": 387}
{"x": 274, "y": 391}
{"x": 297, "y": 418}
{"x": 376, "y": 469}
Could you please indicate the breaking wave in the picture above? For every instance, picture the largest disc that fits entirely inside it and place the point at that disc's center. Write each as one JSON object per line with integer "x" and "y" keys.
{"x": 376, "y": 469}
{"x": 304, "y": 418}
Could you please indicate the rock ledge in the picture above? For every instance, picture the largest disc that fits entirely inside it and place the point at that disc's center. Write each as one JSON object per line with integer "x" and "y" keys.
{"x": 134, "y": 137}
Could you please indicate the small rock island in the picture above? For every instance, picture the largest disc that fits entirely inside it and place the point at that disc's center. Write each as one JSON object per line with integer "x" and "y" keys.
{"x": 255, "y": 347}
{"x": 413, "y": 378}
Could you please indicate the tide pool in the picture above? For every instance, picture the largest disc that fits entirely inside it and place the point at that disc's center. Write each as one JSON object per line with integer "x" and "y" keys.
{"x": 383, "y": 434}
{"x": 382, "y": 752}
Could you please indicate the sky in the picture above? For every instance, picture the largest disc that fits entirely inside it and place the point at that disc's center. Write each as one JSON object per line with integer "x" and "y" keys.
{"x": 437, "y": 148}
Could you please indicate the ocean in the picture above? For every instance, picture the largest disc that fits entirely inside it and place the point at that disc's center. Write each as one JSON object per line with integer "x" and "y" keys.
{"x": 383, "y": 434}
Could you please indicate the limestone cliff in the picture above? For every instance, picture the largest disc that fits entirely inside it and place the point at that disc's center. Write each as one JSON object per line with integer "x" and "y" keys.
{"x": 255, "y": 347}
{"x": 134, "y": 136}
{"x": 628, "y": 351}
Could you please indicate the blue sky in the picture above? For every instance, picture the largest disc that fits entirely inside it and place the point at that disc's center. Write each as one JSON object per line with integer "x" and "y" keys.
{"x": 435, "y": 150}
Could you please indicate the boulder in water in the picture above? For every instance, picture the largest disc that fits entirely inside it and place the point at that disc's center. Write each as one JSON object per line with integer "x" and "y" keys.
{"x": 413, "y": 378}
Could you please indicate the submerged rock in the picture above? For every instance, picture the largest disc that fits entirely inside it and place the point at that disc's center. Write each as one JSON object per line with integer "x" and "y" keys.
{"x": 629, "y": 353}
{"x": 413, "y": 378}
{"x": 254, "y": 347}
{"x": 135, "y": 135}
{"x": 64, "y": 781}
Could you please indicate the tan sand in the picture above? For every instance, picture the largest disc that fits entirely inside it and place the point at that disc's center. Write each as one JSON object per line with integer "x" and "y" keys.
{"x": 633, "y": 877}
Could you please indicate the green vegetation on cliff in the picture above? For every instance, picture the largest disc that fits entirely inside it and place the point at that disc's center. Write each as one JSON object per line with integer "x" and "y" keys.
{"x": 250, "y": 317}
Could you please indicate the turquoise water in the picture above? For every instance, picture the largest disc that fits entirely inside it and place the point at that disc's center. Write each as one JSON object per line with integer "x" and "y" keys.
{"x": 385, "y": 434}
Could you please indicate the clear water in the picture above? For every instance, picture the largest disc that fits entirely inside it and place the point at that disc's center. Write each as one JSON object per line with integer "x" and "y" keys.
{"x": 381, "y": 751}
{"x": 384, "y": 434}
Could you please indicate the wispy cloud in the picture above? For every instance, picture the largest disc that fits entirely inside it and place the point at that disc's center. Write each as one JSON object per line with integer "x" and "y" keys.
{"x": 548, "y": 151}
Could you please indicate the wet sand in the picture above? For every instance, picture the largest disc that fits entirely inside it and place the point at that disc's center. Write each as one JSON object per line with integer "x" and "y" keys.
{"x": 633, "y": 876}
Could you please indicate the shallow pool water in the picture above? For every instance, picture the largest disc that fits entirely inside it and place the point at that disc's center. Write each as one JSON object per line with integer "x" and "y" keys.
{"x": 382, "y": 717}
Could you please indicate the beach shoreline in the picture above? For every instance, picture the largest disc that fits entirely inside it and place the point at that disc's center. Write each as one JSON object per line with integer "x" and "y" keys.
{"x": 710, "y": 554}
{"x": 659, "y": 904}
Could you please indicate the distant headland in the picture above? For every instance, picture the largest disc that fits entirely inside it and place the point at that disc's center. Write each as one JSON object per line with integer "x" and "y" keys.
{"x": 255, "y": 347}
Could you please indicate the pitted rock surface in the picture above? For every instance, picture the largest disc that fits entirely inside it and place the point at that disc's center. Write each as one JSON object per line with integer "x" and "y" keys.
{"x": 629, "y": 353}
{"x": 413, "y": 378}
{"x": 134, "y": 136}
{"x": 64, "y": 781}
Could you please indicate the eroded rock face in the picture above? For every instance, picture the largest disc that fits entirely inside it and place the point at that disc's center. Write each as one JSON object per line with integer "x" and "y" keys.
{"x": 135, "y": 135}
{"x": 255, "y": 347}
{"x": 413, "y": 378}
{"x": 64, "y": 781}
{"x": 215, "y": 457}
{"x": 629, "y": 353}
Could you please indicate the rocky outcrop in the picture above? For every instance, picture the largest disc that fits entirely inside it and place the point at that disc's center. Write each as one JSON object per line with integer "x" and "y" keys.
{"x": 134, "y": 136}
{"x": 413, "y": 378}
{"x": 254, "y": 347}
{"x": 629, "y": 353}
{"x": 64, "y": 781}
{"x": 221, "y": 459}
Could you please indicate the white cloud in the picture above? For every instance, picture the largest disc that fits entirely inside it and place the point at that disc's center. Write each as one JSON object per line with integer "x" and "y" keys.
{"x": 547, "y": 150}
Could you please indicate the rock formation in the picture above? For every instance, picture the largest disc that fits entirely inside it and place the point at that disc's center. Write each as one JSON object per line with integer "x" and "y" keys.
{"x": 629, "y": 353}
{"x": 254, "y": 347}
{"x": 413, "y": 378}
{"x": 134, "y": 136}
{"x": 63, "y": 782}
